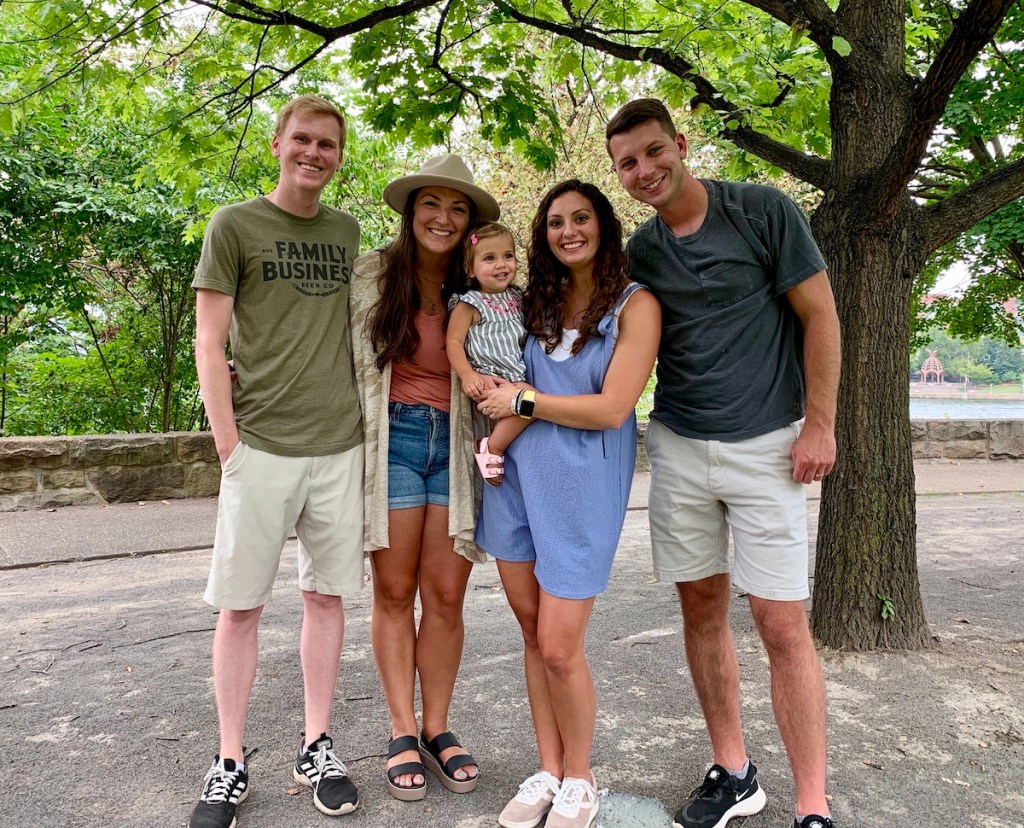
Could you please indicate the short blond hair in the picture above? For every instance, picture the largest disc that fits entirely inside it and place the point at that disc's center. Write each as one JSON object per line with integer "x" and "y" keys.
{"x": 310, "y": 105}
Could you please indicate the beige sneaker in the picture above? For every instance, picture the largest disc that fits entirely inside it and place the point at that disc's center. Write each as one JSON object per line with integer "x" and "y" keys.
{"x": 575, "y": 806}
{"x": 527, "y": 808}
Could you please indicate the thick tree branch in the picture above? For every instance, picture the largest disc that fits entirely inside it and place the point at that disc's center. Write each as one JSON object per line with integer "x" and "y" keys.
{"x": 973, "y": 28}
{"x": 262, "y": 16}
{"x": 253, "y": 14}
{"x": 808, "y": 168}
{"x": 266, "y": 18}
{"x": 820, "y": 19}
{"x": 944, "y": 221}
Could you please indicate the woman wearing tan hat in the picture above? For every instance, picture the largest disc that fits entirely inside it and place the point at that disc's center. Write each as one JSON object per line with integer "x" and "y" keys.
{"x": 420, "y": 512}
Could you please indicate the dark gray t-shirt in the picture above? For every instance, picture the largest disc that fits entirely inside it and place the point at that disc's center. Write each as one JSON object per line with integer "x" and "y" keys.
{"x": 730, "y": 362}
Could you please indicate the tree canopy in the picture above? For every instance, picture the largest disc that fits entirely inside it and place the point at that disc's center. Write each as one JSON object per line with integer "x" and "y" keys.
{"x": 904, "y": 119}
{"x": 769, "y": 78}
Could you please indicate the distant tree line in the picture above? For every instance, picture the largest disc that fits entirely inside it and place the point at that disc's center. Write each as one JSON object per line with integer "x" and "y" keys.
{"x": 984, "y": 360}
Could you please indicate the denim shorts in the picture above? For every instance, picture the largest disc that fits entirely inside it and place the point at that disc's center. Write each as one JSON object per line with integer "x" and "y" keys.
{"x": 417, "y": 456}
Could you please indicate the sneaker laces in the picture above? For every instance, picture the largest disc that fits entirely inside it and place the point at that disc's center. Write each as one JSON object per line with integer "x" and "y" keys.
{"x": 327, "y": 764}
{"x": 711, "y": 786}
{"x": 532, "y": 790}
{"x": 217, "y": 784}
{"x": 570, "y": 797}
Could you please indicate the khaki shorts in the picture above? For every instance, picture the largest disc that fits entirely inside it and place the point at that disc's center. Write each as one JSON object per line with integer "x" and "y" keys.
{"x": 262, "y": 498}
{"x": 700, "y": 489}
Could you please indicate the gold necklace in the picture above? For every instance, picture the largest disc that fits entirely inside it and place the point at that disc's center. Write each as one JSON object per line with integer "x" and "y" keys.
{"x": 430, "y": 303}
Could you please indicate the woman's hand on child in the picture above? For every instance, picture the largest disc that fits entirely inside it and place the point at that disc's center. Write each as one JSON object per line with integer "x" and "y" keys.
{"x": 497, "y": 402}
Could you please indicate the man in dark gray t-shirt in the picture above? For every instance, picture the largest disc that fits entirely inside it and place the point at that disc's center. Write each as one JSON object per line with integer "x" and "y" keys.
{"x": 744, "y": 416}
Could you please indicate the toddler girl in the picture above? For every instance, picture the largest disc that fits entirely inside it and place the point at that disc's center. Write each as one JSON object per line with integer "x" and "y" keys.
{"x": 486, "y": 334}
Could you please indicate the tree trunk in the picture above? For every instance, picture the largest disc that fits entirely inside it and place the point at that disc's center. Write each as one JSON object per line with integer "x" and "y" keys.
{"x": 866, "y": 589}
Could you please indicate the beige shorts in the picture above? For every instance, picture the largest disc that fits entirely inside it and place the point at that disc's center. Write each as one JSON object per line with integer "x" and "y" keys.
{"x": 700, "y": 489}
{"x": 262, "y": 498}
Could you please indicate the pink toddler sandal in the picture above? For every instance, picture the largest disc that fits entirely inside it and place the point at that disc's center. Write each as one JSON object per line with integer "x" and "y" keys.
{"x": 492, "y": 466}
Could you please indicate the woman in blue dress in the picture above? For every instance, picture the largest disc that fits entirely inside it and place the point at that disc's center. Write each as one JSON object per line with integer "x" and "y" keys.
{"x": 554, "y": 523}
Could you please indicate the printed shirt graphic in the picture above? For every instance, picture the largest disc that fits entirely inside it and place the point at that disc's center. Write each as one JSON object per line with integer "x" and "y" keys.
{"x": 494, "y": 346}
{"x": 290, "y": 341}
{"x": 314, "y": 269}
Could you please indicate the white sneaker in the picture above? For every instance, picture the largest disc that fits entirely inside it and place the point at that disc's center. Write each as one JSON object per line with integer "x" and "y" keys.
{"x": 527, "y": 808}
{"x": 575, "y": 806}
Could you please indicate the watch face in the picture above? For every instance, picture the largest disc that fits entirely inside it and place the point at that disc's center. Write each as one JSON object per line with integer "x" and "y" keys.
{"x": 526, "y": 408}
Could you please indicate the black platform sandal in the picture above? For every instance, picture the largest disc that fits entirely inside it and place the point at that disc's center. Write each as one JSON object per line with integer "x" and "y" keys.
{"x": 411, "y": 793}
{"x": 430, "y": 752}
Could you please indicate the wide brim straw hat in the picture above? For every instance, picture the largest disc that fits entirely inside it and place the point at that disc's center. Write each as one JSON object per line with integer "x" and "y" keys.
{"x": 442, "y": 171}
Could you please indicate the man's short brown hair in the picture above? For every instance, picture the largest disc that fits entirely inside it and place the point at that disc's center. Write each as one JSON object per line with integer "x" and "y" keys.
{"x": 635, "y": 113}
{"x": 310, "y": 105}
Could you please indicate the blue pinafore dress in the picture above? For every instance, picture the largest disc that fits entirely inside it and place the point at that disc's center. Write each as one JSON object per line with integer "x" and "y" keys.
{"x": 563, "y": 500}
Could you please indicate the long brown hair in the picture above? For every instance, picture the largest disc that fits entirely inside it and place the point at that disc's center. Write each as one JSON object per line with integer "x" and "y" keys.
{"x": 545, "y": 300}
{"x": 392, "y": 320}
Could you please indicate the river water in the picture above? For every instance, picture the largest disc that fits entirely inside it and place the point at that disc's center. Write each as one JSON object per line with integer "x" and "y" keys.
{"x": 929, "y": 408}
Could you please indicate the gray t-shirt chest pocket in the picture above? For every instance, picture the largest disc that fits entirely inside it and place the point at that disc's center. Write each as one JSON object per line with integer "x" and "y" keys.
{"x": 728, "y": 282}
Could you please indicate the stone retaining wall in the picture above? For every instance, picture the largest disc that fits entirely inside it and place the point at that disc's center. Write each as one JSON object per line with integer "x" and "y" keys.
{"x": 39, "y": 472}
{"x": 968, "y": 439}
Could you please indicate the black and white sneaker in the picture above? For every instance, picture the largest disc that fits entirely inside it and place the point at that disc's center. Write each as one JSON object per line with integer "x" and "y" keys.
{"x": 318, "y": 768}
{"x": 814, "y": 821}
{"x": 720, "y": 797}
{"x": 224, "y": 787}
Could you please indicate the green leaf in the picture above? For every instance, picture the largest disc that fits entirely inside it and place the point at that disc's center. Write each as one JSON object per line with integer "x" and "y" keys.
{"x": 841, "y": 46}
{"x": 7, "y": 122}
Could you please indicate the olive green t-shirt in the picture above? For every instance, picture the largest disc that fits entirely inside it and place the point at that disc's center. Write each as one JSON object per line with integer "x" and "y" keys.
{"x": 295, "y": 394}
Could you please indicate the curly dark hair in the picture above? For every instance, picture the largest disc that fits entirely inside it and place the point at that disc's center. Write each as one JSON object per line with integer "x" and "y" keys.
{"x": 545, "y": 300}
{"x": 392, "y": 320}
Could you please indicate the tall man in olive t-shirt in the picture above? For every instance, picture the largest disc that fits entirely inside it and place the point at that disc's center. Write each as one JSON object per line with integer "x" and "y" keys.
{"x": 744, "y": 415}
{"x": 274, "y": 279}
